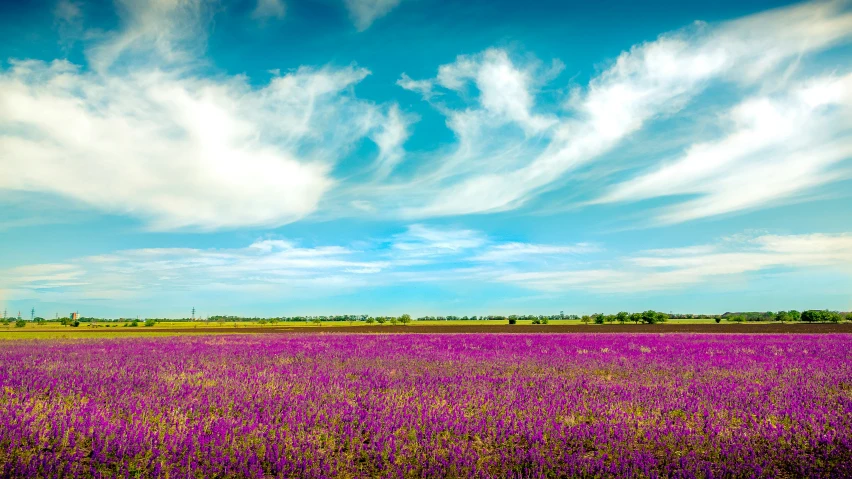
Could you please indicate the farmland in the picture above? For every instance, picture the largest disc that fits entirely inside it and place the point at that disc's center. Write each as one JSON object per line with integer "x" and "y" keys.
{"x": 429, "y": 405}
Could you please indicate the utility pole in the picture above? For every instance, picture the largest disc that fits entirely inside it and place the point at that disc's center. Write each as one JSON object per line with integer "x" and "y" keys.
{"x": 32, "y": 314}
{"x": 193, "y": 313}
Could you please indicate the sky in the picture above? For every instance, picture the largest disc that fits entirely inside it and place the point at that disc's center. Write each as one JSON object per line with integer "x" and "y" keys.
{"x": 290, "y": 157}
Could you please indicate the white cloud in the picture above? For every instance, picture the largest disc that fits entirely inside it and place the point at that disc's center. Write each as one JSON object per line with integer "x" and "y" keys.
{"x": 494, "y": 168}
{"x": 422, "y": 241}
{"x": 149, "y": 138}
{"x": 390, "y": 137}
{"x": 423, "y": 87}
{"x": 678, "y": 268}
{"x": 266, "y": 9}
{"x": 157, "y": 32}
{"x": 365, "y": 12}
{"x": 778, "y": 147}
{"x": 523, "y": 252}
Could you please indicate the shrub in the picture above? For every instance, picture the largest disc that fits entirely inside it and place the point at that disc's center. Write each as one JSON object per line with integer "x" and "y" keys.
{"x": 513, "y": 320}
{"x": 599, "y": 318}
{"x": 370, "y": 320}
{"x": 544, "y": 320}
{"x": 149, "y": 322}
{"x": 134, "y": 323}
{"x": 75, "y": 324}
{"x": 20, "y": 323}
{"x": 718, "y": 320}
{"x": 380, "y": 320}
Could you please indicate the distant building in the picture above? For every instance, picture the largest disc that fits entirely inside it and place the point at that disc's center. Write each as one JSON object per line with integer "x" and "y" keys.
{"x": 74, "y": 316}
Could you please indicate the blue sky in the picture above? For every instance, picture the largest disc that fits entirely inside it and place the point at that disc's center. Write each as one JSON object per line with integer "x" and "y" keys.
{"x": 280, "y": 157}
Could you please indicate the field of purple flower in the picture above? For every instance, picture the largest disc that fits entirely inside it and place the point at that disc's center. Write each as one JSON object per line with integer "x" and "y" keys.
{"x": 477, "y": 405}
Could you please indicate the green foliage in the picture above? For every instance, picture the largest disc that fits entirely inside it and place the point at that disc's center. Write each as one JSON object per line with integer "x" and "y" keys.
{"x": 370, "y": 320}
{"x": 718, "y": 320}
{"x": 405, "y": 319}
{"x": 622, "y": 316}
{"x": 20, "y": 323}
{"x": 794, "y": 315}
{"x": 134, "y": 323}
{"x": 380, "y": 320}
{"x": 815, "y": 315}
{"x": 650, "y": 317}
{"x": 150, "y": 322}
{"x": 599, "y": 318}
{"x": 513, "y": 320}
{"x": 75, "y": 324}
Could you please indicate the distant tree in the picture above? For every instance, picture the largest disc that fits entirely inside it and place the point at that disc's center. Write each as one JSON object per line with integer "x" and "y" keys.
{"x": 832, "y": 316}
{"x": 380, "y": 320}
{"x": 811, "y": 316}
{"x": 150, "y": 322}
{"x": 662, "y": 317}
{"x": 794, "y": 315}
{"x": 133, "y": 324}
{"x": 393, "y": 320}
{"x": 610, "y": 318}
{"x": 649, "y": 317}
{"x": 718, "y": 319}
{"x": 622, "y": 317}
{"x": 20, "y": 323}
{"x": 636, "y": 317}
{"x": 317, "y": 320}
{"x": 370, "y": 320}
{"x": 513, "y": 320}
{"x": 586, "y": 319}
{"x": 599, "y": 318}
{"x": 782, "y": 316}
{"x": 405, "y": 319}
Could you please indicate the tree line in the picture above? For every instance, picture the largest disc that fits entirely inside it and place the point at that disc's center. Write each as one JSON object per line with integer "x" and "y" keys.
{"x": 645, "y": 317}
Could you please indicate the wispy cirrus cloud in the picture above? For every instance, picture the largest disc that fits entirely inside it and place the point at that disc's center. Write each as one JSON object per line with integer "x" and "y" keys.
{"x": 508, "y": 151}
{"x": 779, "y": 146}
{"x": 679, "y": 268}
{"x": 365, "y": 12}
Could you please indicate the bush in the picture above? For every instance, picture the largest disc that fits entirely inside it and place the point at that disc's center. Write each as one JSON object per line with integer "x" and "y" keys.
{"x": 134, "y": 324}
{"x": 149, "y": 322}
{"x": 75, "y": 324}
{"x": 513, "y": 321}
{"x": 599, "y": 318}
{"x": 718, "y": 320}
{"x": 370, "y": 320}
{"x": 544, "y": 321}
{"x": 20, "y": 323}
